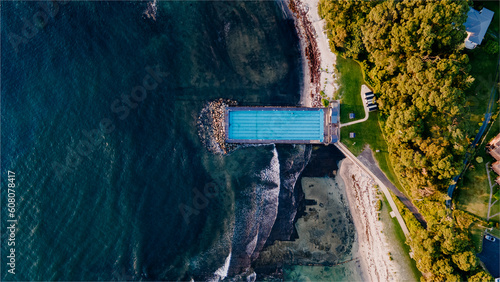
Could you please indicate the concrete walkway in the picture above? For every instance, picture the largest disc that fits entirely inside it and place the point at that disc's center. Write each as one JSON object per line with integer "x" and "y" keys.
{"x": 364, "y": 89}
{"x": 366, "y": 157}
{"x": 382, "y": 186}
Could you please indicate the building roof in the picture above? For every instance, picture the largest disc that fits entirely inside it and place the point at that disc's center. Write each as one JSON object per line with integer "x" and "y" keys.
{"x": 495, "y": 141}
{"x": 335, "y": 115}
{"x": 495, "y": 153}
{"x": 477, "y": 23}
{"x": 496, "y": 167}
{"x": 493, "y": 147}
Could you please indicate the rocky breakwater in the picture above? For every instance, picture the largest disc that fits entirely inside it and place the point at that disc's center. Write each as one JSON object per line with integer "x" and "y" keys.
{"x": 211, "y": 126}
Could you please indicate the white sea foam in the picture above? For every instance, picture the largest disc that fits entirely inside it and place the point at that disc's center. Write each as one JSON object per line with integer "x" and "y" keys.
{"x": 221, "y": 273}
{"x": 272, "y": 172}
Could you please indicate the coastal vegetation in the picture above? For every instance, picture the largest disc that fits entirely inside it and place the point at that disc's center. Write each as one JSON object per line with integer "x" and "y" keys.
{"x": 367, "y": 133}
{"x": 412, "y": 56}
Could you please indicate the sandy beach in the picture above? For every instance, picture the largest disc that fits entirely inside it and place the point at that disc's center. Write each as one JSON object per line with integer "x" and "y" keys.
{"x": 374, "y": 248}
{"x": 319, "y": 73}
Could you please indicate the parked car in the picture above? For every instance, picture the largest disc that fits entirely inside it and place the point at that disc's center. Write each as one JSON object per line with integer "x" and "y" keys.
{"x": 489, "y": 238}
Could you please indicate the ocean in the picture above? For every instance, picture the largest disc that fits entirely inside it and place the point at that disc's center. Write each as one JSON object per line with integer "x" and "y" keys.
{"x": 99, "y": 105}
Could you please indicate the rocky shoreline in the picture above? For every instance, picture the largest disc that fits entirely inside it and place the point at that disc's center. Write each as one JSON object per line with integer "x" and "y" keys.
{"x": 311, "y": 54}
{"x": 211, "y": 126}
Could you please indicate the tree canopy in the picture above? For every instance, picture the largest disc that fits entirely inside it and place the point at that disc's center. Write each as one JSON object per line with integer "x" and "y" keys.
{"x": 412, "y": 56}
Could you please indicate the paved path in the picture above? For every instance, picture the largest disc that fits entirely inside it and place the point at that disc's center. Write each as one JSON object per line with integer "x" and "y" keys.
{"x": 364, "y": 89}
{"x": 366, "y": 157}
{"x": 490, "y": 204}
{"x": 381, "y": 184}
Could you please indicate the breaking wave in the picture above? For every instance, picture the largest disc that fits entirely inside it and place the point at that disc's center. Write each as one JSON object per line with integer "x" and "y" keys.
{"x": 221, "y": 273}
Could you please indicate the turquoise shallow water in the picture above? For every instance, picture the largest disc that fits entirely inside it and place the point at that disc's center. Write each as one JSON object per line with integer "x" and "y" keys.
{"x": 103, "y": 167}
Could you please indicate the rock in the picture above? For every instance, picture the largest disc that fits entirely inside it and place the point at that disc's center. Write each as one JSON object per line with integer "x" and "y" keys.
{"x": 211, "y": 126}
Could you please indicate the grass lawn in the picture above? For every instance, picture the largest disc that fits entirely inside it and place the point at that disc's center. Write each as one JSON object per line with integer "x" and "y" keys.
{"x": 350, "y": 81}
{"x": 473, "y": 188}
{"x": 494, "y": 210}
{"x": 369, "y": 133}
{"x": 494, "y": 232}
{"x": 474, "y": 192}
{"x": 483, "y": 69}
{"x": 476, "y": 232}
{"x": 399, "y": 250}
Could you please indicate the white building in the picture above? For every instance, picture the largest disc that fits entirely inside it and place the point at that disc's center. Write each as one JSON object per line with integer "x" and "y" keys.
{"x": 476, "y": 25}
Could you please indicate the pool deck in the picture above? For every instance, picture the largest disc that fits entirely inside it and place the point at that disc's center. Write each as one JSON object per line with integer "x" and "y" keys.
{"x": 283, "y": 125}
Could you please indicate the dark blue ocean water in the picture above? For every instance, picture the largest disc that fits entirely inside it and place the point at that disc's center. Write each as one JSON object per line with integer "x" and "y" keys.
{"x": 108, "y": 207}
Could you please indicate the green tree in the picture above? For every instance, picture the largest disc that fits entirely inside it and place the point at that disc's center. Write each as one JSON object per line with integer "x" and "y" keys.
{"x": 466, "y": 261}
{"x": 411, "y": 54}
{"x": 481, "y": 276}
{"x": 491, "y": 47}
{"x": 442, "y": 268}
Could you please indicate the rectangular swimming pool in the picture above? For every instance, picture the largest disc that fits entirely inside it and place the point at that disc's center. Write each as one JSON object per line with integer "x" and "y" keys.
{"x": 274, "y": 125}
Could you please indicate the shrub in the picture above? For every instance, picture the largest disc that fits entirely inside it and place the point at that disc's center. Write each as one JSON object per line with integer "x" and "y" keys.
{"x": 491, "y": 47}
{"x": 325, "y": 102}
